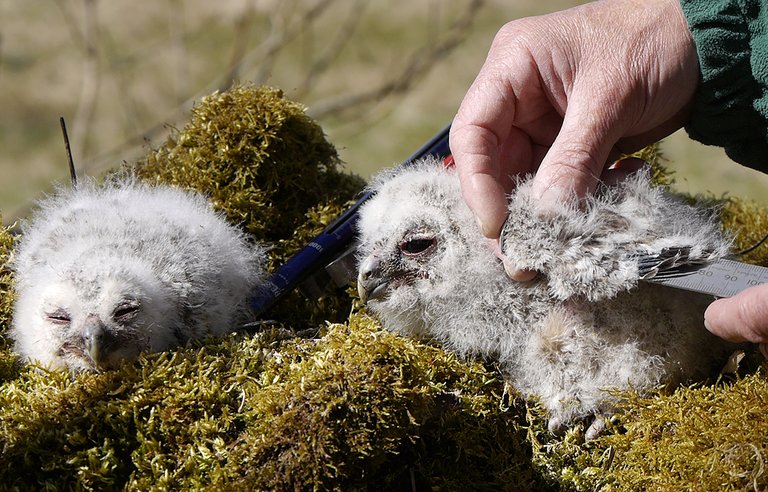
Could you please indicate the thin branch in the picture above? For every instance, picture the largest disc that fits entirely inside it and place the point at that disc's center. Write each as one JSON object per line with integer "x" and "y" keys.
{"x": 177, "y": 33}
{"x": 68, "y": 149}
{"x": 265, "y": 55}
{"x": 239, "y": 46}
{"x": 326, "y": 60}
{"x": 91, "y": 79}
{"x": 418, "y": 64}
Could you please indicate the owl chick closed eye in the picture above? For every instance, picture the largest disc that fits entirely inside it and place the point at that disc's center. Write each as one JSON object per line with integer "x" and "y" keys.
{"x": 104, "y": 273}
{"x": 584, "y": 327}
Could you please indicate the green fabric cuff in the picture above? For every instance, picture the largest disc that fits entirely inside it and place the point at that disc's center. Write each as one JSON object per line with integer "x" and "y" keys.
{"x": 731, "y": 104}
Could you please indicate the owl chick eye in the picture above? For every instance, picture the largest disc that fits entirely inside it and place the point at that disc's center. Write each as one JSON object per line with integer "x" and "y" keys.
{"x": 126, "y": 311}
{"x": 59, "y": 317}
{"x": 417, "y": 246}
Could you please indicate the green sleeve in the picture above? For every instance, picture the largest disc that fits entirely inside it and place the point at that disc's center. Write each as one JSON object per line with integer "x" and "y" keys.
{"x": 730, "y": 108}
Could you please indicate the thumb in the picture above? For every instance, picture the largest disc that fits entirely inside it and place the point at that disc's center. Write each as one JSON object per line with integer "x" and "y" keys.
{"x": 576, "y": 159}
{"x": 743, "y": 317}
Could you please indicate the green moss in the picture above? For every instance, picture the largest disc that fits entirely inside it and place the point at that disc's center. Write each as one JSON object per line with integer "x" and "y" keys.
{"x": 358, "y": 407}
{"x": 713, "y": 436}
{"x": 6, "y": 282}
{"x": 361, "y": 407}
{"x": 8, "y": 365}
{"x": 268, "y": 167}
{"x": 710, "y": 437}
{"x": 748, "y": 220}
{"x": 258, "y": 156}
{"x": 164, "y": 419}
{"x": 653, "y": 155}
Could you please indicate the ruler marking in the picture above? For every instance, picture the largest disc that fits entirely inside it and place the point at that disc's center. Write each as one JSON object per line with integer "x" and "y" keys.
{"x": 723, "y": 278}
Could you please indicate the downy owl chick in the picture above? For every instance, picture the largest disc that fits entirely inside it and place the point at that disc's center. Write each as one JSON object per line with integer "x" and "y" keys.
{"x": 104, "y": 273}
{"x": 583, "y": 327}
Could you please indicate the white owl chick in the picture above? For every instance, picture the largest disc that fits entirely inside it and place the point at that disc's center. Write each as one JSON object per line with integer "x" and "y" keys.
{"x": 584, "y": 327}
{"x": 104, "y": 273}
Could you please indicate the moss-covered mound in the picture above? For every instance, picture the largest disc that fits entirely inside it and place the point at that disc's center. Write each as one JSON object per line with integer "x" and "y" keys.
{"x": 259, "y": 158}
{"x": 749, "y": 222}
{"x": 8, "y": 366}
{"x": 357, "y": 407}
{"x": 361, "y": 407}
{"x": 269, "y": 168}
{"x": 706, "y": 438}
{"x": 6, "y": 280}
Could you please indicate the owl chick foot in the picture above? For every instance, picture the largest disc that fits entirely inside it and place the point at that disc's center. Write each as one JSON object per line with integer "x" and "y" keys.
{"x": 558, "y": 426}
{"x": 596, "y": 428}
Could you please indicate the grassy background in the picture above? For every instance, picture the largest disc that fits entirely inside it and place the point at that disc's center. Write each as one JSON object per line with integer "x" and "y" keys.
{"x": 122, "y": 75}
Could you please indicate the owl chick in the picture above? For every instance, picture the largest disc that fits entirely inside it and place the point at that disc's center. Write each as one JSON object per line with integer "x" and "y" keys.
{"x": 104, "y": 273}
{"x": 584, "y": 327}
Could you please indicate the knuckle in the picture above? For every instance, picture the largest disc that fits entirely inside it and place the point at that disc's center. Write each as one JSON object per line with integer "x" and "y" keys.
{"x": 575, "y": 167}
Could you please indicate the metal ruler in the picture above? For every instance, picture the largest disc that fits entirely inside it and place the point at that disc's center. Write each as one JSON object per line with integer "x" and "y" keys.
{"x": 723, "y": 278}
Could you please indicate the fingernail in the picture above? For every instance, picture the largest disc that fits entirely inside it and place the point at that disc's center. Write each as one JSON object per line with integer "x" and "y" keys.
{"x": 549, "y": 202}
{"x": 711, "y": 318}
{"x": 481, "y": 226}
{"x": 706, "y": 324}
{"x": 519, "y": 275}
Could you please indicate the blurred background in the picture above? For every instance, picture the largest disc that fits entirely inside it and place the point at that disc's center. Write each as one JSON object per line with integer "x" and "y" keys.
{"x": 381, "y": 77}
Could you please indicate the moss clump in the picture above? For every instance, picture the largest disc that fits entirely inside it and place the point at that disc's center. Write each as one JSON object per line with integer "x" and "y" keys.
{"x": 362, "y": 407}
{"x": 6, "y": 281}
{"x": 165, "y": 419}
{"x": 268, "y": 167}
{"x": 8, "y": 366}
{"x": 713, "y": 436}
{"x": 358, "y": 408}
{"x": 748, "y": 220}
{"x": 653, "y": 155}
{"x": 708, "y": 438}
{"x": 258, "y": 156}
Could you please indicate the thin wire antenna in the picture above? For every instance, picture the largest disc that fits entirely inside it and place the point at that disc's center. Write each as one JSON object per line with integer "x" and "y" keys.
{"x": 751, "y": 248}
{"x": 72, "y": 172}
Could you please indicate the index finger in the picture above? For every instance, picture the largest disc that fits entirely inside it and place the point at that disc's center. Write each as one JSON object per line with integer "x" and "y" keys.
{"x": 483, "y": 119}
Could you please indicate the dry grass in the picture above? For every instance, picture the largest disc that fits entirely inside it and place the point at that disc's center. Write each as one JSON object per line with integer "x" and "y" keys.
{"x": 119, "y": 74}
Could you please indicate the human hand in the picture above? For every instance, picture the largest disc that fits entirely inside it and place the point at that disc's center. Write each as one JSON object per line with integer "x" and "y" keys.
{"x": 741, "y": 318}
{"x": 565, "y": 94}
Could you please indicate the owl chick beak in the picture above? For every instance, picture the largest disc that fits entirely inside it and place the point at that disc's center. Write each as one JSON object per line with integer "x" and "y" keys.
{"x": 95, "y": 339}
{"x": 371, "y": 284}
{"x": 377, "y": 277}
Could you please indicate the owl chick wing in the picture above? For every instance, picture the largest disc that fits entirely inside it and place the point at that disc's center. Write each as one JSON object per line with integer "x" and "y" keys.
{"x": 593, "y": 249}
